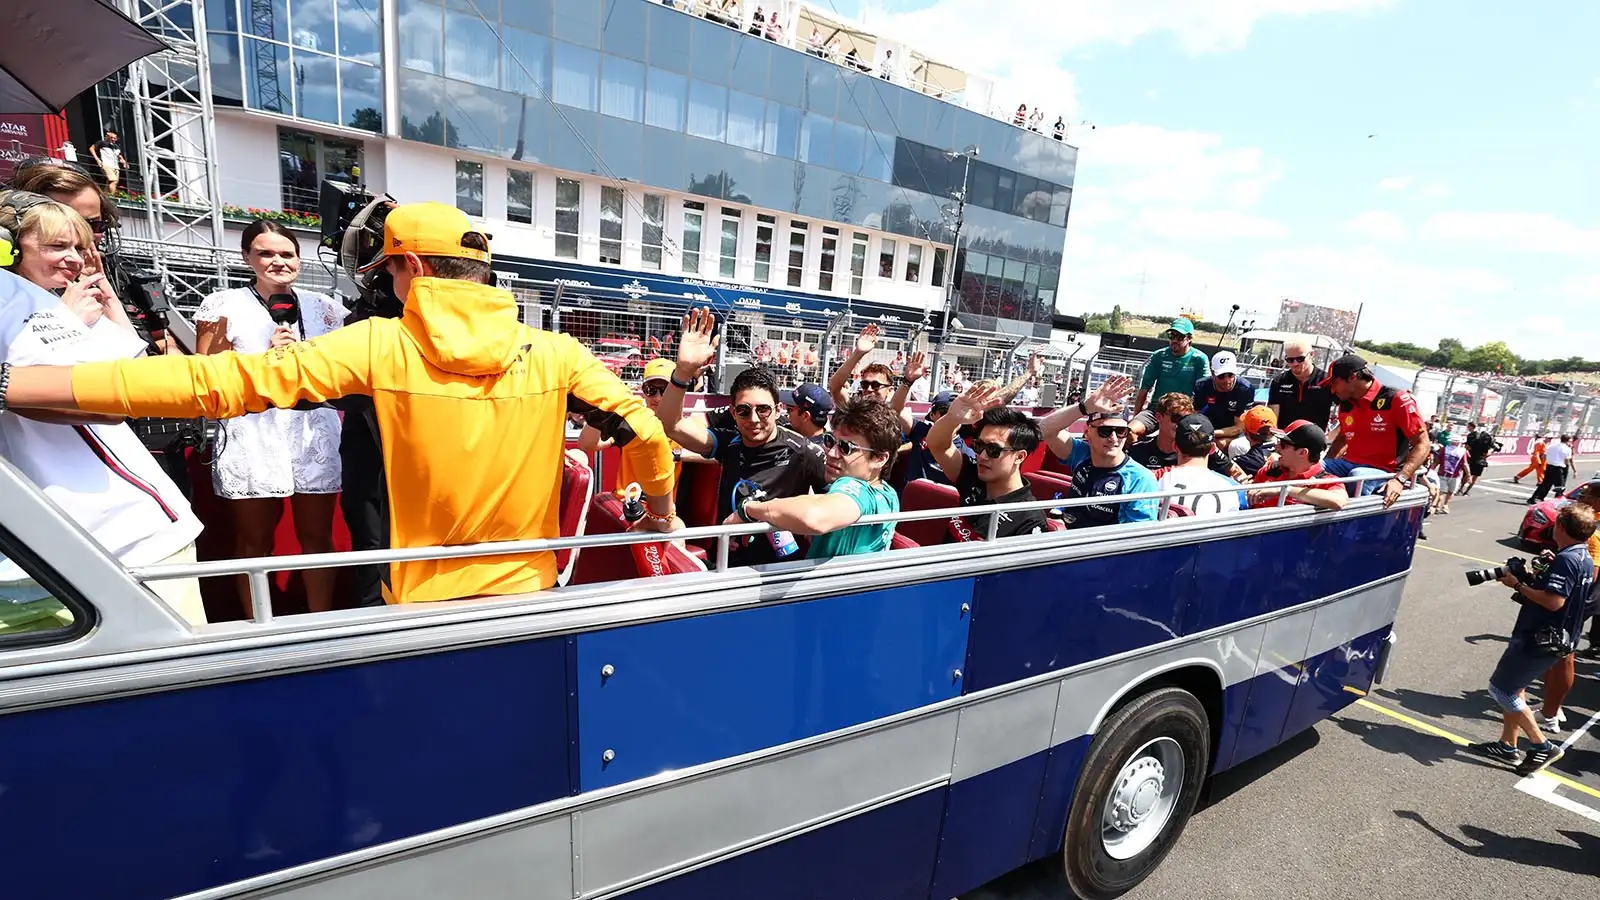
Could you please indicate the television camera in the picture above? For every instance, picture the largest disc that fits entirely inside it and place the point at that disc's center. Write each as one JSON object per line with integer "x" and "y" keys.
{"x": 352, "y": 230}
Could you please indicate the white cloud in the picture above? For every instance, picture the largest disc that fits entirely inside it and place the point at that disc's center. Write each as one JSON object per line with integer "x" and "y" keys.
{"x": 1148, "y": 164}
{"x": 1152, "y": 94}
{"x": 1396, "y": 182}
{"x": 1208, "y": 225}
{"x": 1377, "y": 224}
{"x": 1437, "y": 190}
{"x": 1514, "y": 232}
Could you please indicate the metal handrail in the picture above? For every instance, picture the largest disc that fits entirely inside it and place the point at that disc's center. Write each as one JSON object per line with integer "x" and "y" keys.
{"x": 257, "y": 569}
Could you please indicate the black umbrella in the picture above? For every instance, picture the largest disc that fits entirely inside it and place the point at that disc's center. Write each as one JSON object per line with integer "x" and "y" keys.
{"x": 54, "y": 50}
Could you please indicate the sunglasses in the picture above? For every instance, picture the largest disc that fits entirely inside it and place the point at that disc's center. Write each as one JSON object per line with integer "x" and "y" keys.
{"x": 1177, "y": 336}
{"x": 746, "y": 411}
{"x": 97, "y": 225}
{"x": 653, "y": 389}
{"x": 1111, "y": 431}
{"x": 845, "y": 448}
{"x": 875, "y": 385}
{"x": 1294, "y": 360}
{"x": 988, "y": 448}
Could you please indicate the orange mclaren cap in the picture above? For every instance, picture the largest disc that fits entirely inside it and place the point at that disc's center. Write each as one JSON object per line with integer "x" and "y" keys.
{"x": 428, "y": 229}
{"x": 1257, "y": 419}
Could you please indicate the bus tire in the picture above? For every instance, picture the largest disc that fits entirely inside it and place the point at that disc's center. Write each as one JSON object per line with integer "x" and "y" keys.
{"x": 1126, "y": 814}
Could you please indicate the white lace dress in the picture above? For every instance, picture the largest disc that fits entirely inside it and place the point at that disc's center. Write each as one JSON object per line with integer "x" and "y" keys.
{"x": 281, "y": 451}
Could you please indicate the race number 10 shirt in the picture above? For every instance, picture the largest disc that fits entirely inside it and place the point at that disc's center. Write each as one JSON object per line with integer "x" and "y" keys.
{"x": 1095, "y": 481}
{"x": 1379, "y": 427}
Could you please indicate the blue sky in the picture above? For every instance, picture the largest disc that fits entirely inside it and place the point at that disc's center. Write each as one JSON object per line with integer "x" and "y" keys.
{"x": 1231, "y": 161}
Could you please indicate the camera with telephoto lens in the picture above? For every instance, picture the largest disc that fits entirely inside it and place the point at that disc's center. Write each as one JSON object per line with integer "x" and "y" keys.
{"x": 352, "y": 229}
{"x": 1516, "y": 565}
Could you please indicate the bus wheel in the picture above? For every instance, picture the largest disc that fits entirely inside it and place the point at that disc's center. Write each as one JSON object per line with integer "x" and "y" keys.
{"x": 1138, "y": 785}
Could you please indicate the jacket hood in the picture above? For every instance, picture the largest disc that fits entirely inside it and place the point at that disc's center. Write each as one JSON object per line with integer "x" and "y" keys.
{"x": 462, "y": 326}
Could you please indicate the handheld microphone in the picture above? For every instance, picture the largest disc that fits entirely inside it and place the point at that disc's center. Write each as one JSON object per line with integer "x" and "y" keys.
{"x": 284, "y": 309}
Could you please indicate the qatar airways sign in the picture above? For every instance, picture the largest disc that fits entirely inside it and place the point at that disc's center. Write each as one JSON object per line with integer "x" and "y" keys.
{"x": 25, "y": 136}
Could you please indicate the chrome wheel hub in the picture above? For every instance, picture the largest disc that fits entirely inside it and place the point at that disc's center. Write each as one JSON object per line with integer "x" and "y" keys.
{"x": 1142, "y": 798}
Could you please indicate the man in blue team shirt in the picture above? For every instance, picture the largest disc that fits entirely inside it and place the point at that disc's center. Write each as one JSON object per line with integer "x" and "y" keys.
{"x": 1224, "y": 396}
{"x": 1553, "y": 607}
{"x": 1099, "y": 461}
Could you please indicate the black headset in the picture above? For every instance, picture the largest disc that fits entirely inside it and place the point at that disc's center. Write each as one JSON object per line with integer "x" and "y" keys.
{"x": 17, "y": 203}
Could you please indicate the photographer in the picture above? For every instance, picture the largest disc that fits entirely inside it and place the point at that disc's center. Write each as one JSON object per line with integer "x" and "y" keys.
{"x": 1554, "y": 603}
{"x": 470, "y": 403}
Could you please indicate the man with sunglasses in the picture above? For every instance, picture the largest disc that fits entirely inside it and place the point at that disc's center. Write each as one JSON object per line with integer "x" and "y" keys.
{"x": 1099, "y": 462}
{"x": 1159, "y": 450}
{"x": 860, "y": 452}
{"x": 1298, "y": 393}
{"x": 993, "y": 474}
{"x": 877, "y": 380}
{"x": 782, "y": 462}
{"x": 1175, "y": 368}
{"x": 1381, "y": 431}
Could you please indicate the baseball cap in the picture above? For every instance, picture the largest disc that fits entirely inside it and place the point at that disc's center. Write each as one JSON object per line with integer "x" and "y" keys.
{"x": 1304, "y": 435}
{"x": 943, "y": 399}
{"x": 1100, "y": 418}
{"x": 1224, "y": 363}
{"x": 1182, "y": 326}
{"x": 428, "y": 229}
{"x": 807, "y": 397}
{"x": 1258, "y": 418}
{"x": 659, "y": 369}
{"x": 1195, "y": 434}
{"x": 1344, "y": 367}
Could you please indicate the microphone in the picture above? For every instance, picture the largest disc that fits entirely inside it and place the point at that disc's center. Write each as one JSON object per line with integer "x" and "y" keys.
{"x": 284, "y": 309}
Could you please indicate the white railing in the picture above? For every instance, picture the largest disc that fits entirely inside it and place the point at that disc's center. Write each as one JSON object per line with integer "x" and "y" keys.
{"x": 257, "y": 569}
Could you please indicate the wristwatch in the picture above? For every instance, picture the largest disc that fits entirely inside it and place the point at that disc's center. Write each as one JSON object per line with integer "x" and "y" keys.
{"x": 1084, "y": 410}
{"x": 5, "y": 383}
{"x": 685, "y": 386}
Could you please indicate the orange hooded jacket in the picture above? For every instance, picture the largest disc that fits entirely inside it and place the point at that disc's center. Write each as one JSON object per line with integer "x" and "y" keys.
{"x": 471, "y": 405}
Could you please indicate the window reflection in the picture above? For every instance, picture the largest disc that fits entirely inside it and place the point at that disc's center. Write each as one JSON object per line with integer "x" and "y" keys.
{"x": 666, "y": 96}
{"x": 611, "y": 225}
{"x": 313, "y": 25}
{"x": 524, "y": 62}
{"x": 262, "y": 90}
{"x": 361, "y": 30}
{"x": 568, "y": 196}
{"x": 361, "y": 96}
{"x": 708, "y": 105}
{"x": 316, "y": 87}
{"x": 655, "y": 217}
{"x": 622, "y": 89}
{"x": 573, "y": 76}
{"x": 422, "y": 36}
{"x": 519, "y": 196}
{"x": 469, "y": 187}
{"x": 746, "y": 120}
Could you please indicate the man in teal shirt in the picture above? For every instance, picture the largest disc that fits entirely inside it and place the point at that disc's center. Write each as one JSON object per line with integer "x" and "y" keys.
{"x": 1175, "y": 369}
{"x": 859, "y": 453}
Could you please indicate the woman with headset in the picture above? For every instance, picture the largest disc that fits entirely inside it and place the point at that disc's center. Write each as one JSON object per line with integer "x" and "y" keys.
{"x": 267, "y": 456}
{"x": 57, "y": 309}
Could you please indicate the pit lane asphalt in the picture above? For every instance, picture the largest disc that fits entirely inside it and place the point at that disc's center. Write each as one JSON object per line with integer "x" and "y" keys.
{"x": 1366, "y": 805}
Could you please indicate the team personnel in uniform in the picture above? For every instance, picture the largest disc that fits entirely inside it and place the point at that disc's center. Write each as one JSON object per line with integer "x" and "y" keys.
{"x": 1298, "y": 393}
{"x": 471, "y": 405}
{"x": 756, "y": 448}
{"x": 1100, "y": 466}
{"x": 1300, "y": 449}
{"x": 1159, "y": 446}
{"x": 1480, "y": 443}
{"x": 922, "y": 461}
{"x": 1224, "y": 396}
{"x": 1256, "y": 441}
{"x": 602, "y": 430}
{"x": 993, "y": 473}
{"x": 1381, "y": 431}
{"x": 860, "y": 451}
{"x": 1557, "y": 459}
{"x": 1174, "y": 369}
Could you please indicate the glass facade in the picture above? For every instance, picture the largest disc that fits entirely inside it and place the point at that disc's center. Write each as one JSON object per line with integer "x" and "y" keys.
{"x": 320, "y": 60}
{"x": 586, "y": 85}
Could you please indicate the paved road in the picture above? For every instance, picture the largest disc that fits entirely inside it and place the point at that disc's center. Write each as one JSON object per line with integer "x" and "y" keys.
{"x": 1370, "y": 805}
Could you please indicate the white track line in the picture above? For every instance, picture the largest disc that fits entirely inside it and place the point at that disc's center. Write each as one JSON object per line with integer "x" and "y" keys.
{"x": 1545, "y": 789}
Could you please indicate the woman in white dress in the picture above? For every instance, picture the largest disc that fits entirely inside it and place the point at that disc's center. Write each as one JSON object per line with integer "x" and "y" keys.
{"x": 267, "y": 456}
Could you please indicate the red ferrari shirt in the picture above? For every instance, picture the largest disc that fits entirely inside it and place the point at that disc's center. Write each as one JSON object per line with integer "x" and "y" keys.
{"x": 1277, "y": 473}
{"x": 1380, "y": 427}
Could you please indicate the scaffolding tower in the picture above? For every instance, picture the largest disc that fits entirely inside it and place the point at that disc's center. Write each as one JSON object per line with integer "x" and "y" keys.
{"x": 175, "y": 131}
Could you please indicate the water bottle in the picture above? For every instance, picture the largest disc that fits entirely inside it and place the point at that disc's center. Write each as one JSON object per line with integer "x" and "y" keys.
{"x": 648, "y": 558}
{"x": 783, "y": 544}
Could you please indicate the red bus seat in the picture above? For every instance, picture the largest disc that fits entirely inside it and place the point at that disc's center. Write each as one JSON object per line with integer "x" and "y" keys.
{"x": 1179, "y": 510}
{"x": 576, "y": 493}
{"x": 599, "y": 564}
{"x": 924, "y": 494}
{"x": 900, "y": 541}
{"x": 1049, "y": 485}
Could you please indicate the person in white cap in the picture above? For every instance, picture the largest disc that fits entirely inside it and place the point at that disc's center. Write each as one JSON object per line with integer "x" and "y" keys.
{"x": 1224, "y": 396}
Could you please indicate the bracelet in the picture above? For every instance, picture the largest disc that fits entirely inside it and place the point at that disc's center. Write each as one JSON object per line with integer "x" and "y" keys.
{"x": 1082, "y": 410}
{"x": 673, "y": 380}
{"x": 5, "y": 383}
{"x": 744, "y": 515}
{"x": 660, "y": 518}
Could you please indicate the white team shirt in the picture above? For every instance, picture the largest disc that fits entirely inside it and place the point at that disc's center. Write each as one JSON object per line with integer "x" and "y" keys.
{"x": 101, "y": 475}
{"x": 1188, "y": 478}
{"x": 1557, "y": 454}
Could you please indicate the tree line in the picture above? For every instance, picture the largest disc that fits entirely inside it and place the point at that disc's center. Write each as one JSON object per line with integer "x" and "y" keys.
{"x": 1493, "y": 357}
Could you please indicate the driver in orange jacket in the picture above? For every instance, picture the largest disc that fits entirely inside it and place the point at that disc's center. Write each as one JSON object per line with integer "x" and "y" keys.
{"x": 470, "y": 402}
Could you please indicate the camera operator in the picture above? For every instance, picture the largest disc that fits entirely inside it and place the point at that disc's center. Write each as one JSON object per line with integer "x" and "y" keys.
{"x": 1554, "y": 603}
{"x": 471, "y": 405}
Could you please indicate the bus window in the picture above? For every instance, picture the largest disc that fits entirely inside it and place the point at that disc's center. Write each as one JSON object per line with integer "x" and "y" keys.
{"x": 36, "y": 607}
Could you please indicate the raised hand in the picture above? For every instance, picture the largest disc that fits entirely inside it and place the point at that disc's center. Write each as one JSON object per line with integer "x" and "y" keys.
{"x": 1108, "y": 397}
{"x": 917, "y": 366}
{"x": 867, "y": 340}
{"x": 978, "y": 399}
{"x": 82, "y": 299}
{"x": 697, "y": 348}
